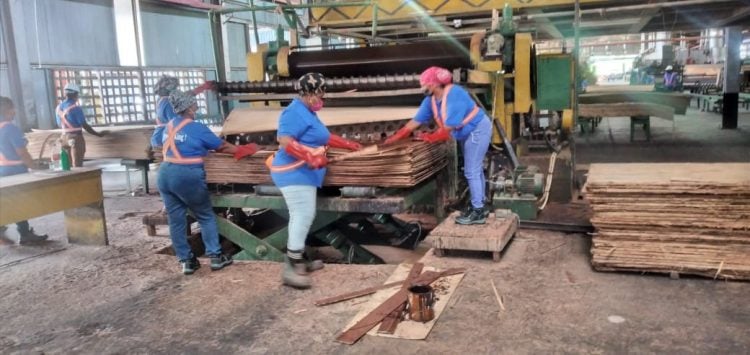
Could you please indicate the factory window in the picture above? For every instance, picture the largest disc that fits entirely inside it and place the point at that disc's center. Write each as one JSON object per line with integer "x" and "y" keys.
{"x": 117, "y": 96}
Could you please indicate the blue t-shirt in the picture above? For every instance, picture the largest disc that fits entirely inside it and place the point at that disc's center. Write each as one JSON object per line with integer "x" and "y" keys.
{"x": 459, "y": 106}
{"x": 193, "y": 140}
{"x": 304, "y": 126}
{"x": 11, "y": 138}
{"x": 164, "y": 113}
{"x": 75, "y": 117}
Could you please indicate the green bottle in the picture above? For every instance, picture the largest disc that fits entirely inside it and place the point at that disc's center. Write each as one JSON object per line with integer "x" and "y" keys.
{"x": 64, "y": 159}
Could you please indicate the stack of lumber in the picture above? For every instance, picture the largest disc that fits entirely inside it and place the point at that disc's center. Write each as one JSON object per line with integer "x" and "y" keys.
{"x": 627, "y": 110}
{"x": 678, "y": 101}
{"x": 131, "y": 142}
{"x": 683, "y": 218}
{"x": 404, "y": 164}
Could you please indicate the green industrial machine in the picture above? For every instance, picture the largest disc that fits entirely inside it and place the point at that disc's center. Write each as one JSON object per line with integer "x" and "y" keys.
{"x": 519, "y": 192}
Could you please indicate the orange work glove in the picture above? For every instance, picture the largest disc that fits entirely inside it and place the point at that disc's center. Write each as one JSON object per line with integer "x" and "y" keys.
{"x": 439, "y": 136}
{"x": 340, "y": 142}
{"x": 245, "y": 150}
{"x": 401, "y": 134}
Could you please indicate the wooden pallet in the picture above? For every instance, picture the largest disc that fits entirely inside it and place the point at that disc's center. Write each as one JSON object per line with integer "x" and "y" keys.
{"x": 492, "y": 236}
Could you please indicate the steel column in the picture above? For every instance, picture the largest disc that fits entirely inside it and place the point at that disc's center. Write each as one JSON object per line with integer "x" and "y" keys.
{"x": 19, "y": 66}
{"x": 732, "y": 62}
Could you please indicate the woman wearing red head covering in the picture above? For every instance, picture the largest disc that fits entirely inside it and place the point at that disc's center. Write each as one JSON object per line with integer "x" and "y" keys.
{"x": 456, "y": 114}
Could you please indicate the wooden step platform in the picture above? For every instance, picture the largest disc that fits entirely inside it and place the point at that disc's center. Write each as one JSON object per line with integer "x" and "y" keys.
{"x": 492, "y": 236}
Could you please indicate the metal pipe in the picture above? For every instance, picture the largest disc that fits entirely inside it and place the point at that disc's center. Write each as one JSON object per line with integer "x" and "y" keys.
{"x": 255, "y": 26}
{"x": 619, "y": 8}
{"x": 300, "y": 6}
{"x": 640, "y": 41}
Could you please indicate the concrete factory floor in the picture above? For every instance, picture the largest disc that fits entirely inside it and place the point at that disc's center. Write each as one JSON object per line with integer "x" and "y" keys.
{"x": 126, "y": 298}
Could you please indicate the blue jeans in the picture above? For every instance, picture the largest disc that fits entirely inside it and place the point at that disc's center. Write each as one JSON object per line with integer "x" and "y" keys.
{"x": 475, "y": 148}
{"x": 300, "y": 201}
{"x": 183, "y": 187}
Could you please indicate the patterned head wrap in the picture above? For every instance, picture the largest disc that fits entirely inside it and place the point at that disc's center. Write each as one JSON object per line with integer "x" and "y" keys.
{"x": 166, "y": 85}
{"x": 435, "y": 76}
{"x": 181, "y": 101}
{"x": 311, "y": 83}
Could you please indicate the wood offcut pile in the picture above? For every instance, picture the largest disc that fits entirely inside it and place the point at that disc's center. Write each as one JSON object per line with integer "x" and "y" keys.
{"x": 671, "y": 218}
{"x": 404, "y": 164}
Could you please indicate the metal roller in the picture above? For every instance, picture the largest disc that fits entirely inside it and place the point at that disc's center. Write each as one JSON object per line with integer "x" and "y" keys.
{"x": 381, "y": 60}
{"x": 385, "y": 82}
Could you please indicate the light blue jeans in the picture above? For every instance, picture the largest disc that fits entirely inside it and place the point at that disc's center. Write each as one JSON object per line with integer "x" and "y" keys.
{"x": 475, "y": 148}
{"x": 183, "y": 187}
{"x": 300, "y": 201}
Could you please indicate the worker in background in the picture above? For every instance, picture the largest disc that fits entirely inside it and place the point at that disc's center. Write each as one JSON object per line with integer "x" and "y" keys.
{"x": 670, "y": 78}
{"x": 15, "y": 159}
{"x": 298, "y": 169}
{"x": 72, "y": 121}
{"x": 457, "y": 115}
{"x": 182, "y": 181}
{"x": 164, "y": 112}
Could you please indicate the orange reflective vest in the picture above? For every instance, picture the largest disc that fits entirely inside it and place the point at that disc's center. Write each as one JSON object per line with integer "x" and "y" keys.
{"x": 295, "y": 165}
{"x": 66, "y": 126}
{"x": 169, "y": 145}
{"x": 3, "y": 160}
{"x": 443, "y": 110}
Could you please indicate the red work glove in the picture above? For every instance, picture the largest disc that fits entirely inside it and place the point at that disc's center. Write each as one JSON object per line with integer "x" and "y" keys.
{"x": 439, "y": 136}
{"x": 208, "y": 85}
{"x": 245, "y": 151}
{"x": 297, "y": 150}
{"x": 401, "y": 134}
{"x": 340, "y": 142}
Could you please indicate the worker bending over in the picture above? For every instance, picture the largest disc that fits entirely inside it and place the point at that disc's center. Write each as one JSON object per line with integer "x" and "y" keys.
{"x": 182, "y": 181}
{"x": 72, "y": 121}
{"x": 15, "y": 159}
{"x": 164, "y": 112}
{"x": 457, "y": 115}
{"x": 298, "y": 169}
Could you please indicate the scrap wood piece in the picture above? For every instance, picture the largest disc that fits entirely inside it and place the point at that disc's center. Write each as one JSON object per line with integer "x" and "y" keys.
{"x": 370, "y": 290}
{"x": 391, "y": 322}
{"x": 497, "y": 296}
{"x": 356, "y": 331}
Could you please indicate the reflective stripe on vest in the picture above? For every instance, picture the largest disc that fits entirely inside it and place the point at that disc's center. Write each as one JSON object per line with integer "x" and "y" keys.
{"x": 169, "y": 145}
{"x": 66, "y": 126}
{"x": 3, "y": 160}
{"x": 159, "y": 122}
{"x": 295, "y": 165}
{"x": 443, "y": 110}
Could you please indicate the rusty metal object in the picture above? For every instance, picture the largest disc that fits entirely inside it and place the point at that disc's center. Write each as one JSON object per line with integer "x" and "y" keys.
{"x": 421, "y": 301}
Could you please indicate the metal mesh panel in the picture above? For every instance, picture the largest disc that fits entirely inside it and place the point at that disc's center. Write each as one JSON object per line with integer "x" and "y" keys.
{"x": 123, "y": 95}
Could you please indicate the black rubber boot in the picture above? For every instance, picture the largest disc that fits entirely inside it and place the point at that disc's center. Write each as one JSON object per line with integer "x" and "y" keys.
{"x": 27, "y": 236}
{"x": 477, "y": 216}
{"x": 189, "y": 266}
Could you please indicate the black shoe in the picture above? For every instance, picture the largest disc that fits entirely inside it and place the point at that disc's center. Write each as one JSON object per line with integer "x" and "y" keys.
{"x": 189, "y": 266}
{"x": 29, "y": 237}
{"x": 477, "y": 216}
{"x": 218, "y": 262}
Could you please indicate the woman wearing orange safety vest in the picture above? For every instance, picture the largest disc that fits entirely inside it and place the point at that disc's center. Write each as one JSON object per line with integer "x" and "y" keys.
{"x": 182, "y": 181}
{"x": 298, "y": 169}
{"x": 455, "y": 114}
{"x": 72, "y": 121}
{"x": 14, "y": 159}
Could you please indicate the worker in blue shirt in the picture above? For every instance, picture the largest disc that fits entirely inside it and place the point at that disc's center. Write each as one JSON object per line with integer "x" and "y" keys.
{"x": 164, "y": 112}
{"x": 15, "y": 159}
{"x": 455, "y": 114}
{"x": 72, "y": 121}
{"x": 671, "y": 78}
{"x": 298, "y": 169}
{"x": 182, "y": 181}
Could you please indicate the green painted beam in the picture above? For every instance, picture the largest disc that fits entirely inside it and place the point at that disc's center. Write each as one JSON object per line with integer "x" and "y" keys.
{"x": 254, "y": 247}
{"x": 322, "y": 219}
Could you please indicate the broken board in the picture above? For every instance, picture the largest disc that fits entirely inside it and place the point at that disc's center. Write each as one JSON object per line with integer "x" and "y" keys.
{"x": 444, "y": 288}
{"x": 492, "y": 236}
